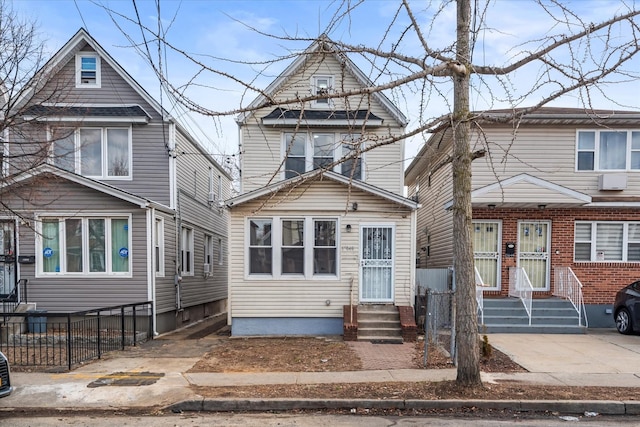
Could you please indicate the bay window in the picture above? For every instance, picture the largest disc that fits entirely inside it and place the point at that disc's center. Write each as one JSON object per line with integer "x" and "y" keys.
{"x": 608, "y": 150}
{"x": 297, "y": 247}
{"x": 607, "y": 241}
{"x": 84, "y": 245}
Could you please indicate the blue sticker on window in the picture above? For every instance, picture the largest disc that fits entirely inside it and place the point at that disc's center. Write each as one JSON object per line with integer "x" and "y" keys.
{"x": 124, "y": 252}
{"x": 126, "y": 227}
{"x": 47, "y": 252}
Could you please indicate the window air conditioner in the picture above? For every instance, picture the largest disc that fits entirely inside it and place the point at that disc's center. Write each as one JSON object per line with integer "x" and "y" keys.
{"x": 212, "y": 197}
{"x": 207, "y": 268}
{"x": 612, "y": 181}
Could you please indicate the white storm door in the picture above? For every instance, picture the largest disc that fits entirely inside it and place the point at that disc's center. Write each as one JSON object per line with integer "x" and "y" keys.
{"x": 486, "y": 252}
{"x": 376, "y": 263}
{"x": 533, "y": 252}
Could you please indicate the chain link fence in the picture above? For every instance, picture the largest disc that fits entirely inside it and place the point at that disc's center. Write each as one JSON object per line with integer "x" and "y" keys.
{"x": 434, "y": 309}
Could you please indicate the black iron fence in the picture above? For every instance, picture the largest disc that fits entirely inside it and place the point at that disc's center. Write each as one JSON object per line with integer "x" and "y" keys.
{"x": 41, "y": 339}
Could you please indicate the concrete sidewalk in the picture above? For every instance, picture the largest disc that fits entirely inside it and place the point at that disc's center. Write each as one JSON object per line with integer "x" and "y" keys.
{"x": 152, "y": 383}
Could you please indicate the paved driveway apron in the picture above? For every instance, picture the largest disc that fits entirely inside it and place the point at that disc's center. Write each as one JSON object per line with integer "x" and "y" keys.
{"x": 600, "y": 352}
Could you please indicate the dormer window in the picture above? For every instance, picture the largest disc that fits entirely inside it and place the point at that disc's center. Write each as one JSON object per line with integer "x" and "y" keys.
{"x": 321, "y": 85}
{"x": 87, "y": 70}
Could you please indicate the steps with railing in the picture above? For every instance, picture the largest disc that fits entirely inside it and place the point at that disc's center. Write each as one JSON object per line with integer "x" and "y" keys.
{"x": 548, "y": 316}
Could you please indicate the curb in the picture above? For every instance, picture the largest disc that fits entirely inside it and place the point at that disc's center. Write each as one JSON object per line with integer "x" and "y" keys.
{"x": 602, "y": 407}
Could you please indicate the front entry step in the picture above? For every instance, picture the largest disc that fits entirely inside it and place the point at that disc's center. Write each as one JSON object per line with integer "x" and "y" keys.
{"x": 379, "y": 323}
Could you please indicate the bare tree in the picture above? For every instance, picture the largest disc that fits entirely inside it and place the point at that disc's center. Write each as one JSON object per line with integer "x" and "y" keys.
{"x": 26, "y": 84}
{"x": 575, "y": 56}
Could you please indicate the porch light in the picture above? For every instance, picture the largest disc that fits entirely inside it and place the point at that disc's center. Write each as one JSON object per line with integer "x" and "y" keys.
{"x": 492, "y": 206}
{"x": 348, "y": 228}
{"x": 354, "y": 206}
{"x": 541, "y": 207}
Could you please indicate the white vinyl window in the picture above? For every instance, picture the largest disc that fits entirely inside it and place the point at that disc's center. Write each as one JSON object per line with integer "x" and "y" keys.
{"x": 305, "y": 151}
{"x": 208, "y": 253}
{"x": 607, "y": 241}
{"x": 220, "y": 252}
{"x": 88, "y": 73}
{"x": 158, "y": 247}
{"x": 186, "y": 251}
{"x": 321, "y": 85}
{"x": 608, "y": 150}
{"x": 103, "y": 153}
{"x": 293, "y": 247}
{"x": 84, "y": 246}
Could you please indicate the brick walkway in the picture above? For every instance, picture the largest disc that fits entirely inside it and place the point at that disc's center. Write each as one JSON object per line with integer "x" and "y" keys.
{"x": 385, "y": 356}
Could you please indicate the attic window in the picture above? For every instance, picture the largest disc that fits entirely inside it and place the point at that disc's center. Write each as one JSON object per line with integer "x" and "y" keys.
{"x": 321, "y": 85}
{"x": 88, "y": 70}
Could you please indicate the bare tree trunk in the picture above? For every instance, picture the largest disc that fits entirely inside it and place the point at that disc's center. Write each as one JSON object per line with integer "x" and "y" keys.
{"x": 466, "y": 309}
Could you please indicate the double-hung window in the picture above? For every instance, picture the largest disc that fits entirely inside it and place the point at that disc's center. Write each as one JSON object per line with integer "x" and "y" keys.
{"x": 208, "y": 251}
{"x": 158, "y": 246}
{"x": 85, "y": 245}
{"x": 607, "y": 241}
{"x": 295, "y": 151}
{"x": 602, "y": 150}
{"x": 260, "y": 249}
{"x": 305, "y": 151}
{"x": 96, "y": 152}
{"x": 186, "y": 251}
{"x": 88, "y": 70}
{"x": 293, "y": 247}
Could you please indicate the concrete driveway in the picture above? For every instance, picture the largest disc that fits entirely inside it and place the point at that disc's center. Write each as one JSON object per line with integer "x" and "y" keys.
{"x": 599, "y": 351}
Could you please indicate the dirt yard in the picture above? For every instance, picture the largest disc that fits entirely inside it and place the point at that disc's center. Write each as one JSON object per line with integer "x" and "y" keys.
{"x": 319, "y": 355}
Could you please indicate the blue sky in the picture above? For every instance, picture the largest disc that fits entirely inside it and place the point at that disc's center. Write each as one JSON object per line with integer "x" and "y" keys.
{"x": 220, "y": 28}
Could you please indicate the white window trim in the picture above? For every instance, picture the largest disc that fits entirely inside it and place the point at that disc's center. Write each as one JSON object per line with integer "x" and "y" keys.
{"x": 61, "y": 217}
{"x": 314, "y": 84}
{"x": 596, "y": 151}
{"x": 77, "y": 163}
{"x": 309, "y": 151}
{"x": 98, "y": 83}
{"x": 207, "y": 257}
{"x": 276, "y": 249}
{"x": 594, "y": 242}
{"x": 220, "y": 252}
{"x": 189, "y": 241}
{"x": 159, "y": 230}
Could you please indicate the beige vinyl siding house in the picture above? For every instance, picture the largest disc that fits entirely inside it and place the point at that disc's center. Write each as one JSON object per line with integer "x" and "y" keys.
{"x": 562, "y": 190}
{"x": 112, "y": 182}
{"x": 313, "y": 232}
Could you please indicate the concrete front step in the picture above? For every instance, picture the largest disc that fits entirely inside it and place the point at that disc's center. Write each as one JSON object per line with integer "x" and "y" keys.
{"x": 381, "y": 339}
{"x": 552, "y": 315}
{"x": 379, "y": 322}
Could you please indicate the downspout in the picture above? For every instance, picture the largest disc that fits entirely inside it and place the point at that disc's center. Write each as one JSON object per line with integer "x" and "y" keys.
{"x": 177, "y": 280}
{"x": 151, "y": 265}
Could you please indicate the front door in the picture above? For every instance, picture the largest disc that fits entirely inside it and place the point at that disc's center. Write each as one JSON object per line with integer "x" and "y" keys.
{"x": 534, "y": 238}
{"x": 376, "y": 264}
{"x": 486, "y": 252}
{"x": 7, "y": 257}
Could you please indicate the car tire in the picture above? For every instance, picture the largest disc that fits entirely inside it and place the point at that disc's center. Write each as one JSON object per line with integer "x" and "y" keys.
{"x": 623, "y": 321}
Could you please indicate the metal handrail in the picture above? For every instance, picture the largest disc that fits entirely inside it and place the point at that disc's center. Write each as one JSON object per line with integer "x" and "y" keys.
{"x": 568, "y": 286}
{"x": 520, "y": 287}
{"x": 480, "y": 294}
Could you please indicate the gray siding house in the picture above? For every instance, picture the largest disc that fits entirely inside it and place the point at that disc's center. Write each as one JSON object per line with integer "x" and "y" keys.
{"x": 107, "y": 200}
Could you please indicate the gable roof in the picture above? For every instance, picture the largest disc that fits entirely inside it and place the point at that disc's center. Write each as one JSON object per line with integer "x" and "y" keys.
{"x": 72, "y": 46}
{"x": 323, "y": 42}
{"x": 86, "y": 182}
{"x": 525, "y": 190}
{"x": 320, "y": 175}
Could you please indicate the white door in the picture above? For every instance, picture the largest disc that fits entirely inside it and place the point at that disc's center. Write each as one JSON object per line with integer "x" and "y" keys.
{"x": 486, "y": 252}
{"x": 534, "y": 238}
{"x": 376, "y": 263}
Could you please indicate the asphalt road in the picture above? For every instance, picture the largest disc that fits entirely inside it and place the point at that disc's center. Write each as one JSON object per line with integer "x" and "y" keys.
{"x": 308, "y": 420}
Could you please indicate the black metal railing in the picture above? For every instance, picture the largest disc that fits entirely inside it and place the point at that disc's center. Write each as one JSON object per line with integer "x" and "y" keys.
{"x": 42, "y": 339}
{"x": 18, "y": 294}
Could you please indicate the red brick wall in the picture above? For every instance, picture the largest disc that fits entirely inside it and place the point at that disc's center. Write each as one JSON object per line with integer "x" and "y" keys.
{"x": 601, "y": 280}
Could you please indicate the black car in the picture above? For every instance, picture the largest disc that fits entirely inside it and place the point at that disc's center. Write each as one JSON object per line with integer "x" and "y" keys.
{"x": 5, "y": 377}
{"x": 626, "y": 309}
